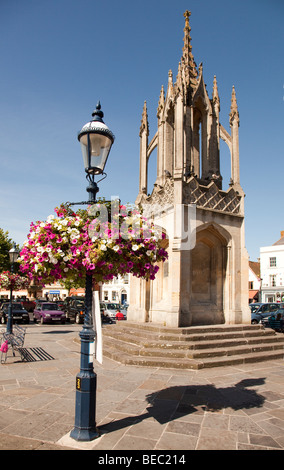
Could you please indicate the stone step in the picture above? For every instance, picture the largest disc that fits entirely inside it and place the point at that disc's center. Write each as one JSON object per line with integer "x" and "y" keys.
{"x": 140, "y": 350}
{"x": 179, "y": 341}
{"x": 186, "y": 334}
{"x": 172, "y": 363}
{"x": 225, "y": 343}
{"x": 186, "y": 330}
{"x": 194, "y": 343}
{"x": 193, "y": 347}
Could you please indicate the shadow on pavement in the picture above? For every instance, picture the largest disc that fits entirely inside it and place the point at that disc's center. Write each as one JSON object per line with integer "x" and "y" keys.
{"x": 174, "y": 402}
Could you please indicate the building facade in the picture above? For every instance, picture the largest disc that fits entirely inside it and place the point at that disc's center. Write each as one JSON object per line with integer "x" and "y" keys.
{"x": 116, "y": 290}
{"x": 205, "y": 281}
{"x": 272, "y": 271}
{"x": 254, "y": 281}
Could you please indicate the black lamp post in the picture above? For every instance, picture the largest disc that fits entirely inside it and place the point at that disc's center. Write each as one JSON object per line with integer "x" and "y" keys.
{"x": 96, "y": 140}
{"x": 13, "y": 254}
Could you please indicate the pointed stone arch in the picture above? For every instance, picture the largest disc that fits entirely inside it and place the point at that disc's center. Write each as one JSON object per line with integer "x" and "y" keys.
{"x": 208, "y": 271}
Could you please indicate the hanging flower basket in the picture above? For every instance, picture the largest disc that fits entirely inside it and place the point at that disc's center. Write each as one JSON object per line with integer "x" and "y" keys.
{"x": 67, "y": 246}
{"x": 13, "y": 281}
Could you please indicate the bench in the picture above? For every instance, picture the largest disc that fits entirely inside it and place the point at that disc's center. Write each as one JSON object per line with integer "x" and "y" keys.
{"x": 15, "y": 340}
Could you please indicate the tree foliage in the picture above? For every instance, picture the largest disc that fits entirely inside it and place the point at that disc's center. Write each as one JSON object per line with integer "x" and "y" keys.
{"x": 6, "y": 244}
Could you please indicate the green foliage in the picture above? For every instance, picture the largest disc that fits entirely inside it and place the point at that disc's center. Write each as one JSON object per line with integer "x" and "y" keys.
{"x": 6, "y": 244}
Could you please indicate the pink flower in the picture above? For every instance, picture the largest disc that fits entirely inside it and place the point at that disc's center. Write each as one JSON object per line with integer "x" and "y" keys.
{"x": 45, "y": 246}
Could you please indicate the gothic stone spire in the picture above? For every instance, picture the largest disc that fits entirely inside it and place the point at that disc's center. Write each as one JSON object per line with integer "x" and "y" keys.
{"x": 187, "y": 60}
{"x": 144, "y": 121}
{"x": 215, "y": 95}
{"x": 234, "y": 114}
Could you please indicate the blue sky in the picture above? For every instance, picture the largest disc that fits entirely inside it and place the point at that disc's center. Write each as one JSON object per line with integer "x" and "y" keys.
{"x": 59, "y": 57}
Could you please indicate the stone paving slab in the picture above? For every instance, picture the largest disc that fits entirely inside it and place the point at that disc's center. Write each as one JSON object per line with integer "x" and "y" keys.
{"x": 138, "y": 408}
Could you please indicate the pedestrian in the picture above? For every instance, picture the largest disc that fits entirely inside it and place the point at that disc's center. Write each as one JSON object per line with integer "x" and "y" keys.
{"x": 119, "y": 316}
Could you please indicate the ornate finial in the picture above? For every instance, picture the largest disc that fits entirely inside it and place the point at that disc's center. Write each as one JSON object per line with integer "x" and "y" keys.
{"x": 187, "y": 14}
{"x": 161, "y": 102}
{"x": 144, "y": 121}
{"x": 98, "y": 114}
{"x": 179, "y": 83}
{"x": 215, "y": 95}
{"x": 234, "y": 114}
{"x": 170, "y": 83}
{"x": 188, "y": 62}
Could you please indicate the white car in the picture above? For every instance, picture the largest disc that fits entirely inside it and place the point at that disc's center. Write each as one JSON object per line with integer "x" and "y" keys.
{"x": 110, "y": 309}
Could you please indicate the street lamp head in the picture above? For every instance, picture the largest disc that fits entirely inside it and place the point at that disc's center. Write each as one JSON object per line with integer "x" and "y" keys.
{"x": 14, "y": 254}
{"x": 96, "y": 140}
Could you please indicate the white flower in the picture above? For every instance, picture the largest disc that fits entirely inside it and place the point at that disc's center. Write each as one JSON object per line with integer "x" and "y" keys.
{"x": 103, "y": 248}
{"x": 116, "y": 248}
{"x": 135, "y": 247}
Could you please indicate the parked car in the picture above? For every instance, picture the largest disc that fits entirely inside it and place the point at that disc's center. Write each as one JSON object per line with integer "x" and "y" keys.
{"x": 259, "y": 311}
{"x": 39, "y": 301}
{"x": 29, "y": 305}
{"x": 106, "y": 318}
{"x": 68, "y": 300}
{"x": 111, "y": 309}
{"x": 278, "y": 316}
{"x": 19, "y": 313}
{"x": 48, "y": 312}
{"x": 60, "y": 304}
{"x": 75, "y": 310}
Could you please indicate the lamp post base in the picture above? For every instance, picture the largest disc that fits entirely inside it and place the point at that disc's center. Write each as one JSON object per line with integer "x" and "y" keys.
{"x": 86, "y": 380}
{"x": 85, "y": 414}
{"x": 84, "y": 435}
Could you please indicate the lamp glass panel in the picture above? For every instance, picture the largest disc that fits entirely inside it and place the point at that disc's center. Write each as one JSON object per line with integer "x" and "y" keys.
{"x": 95, "y": 159}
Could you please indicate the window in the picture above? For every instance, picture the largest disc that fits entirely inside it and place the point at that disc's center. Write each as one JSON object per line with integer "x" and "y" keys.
{"x": 272, "y": 262}
{"x": 250, "y": 284}
{"x": 264, "y": 309}
{"x": 273, "y": 280}
{"x": 125, "y": 278}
